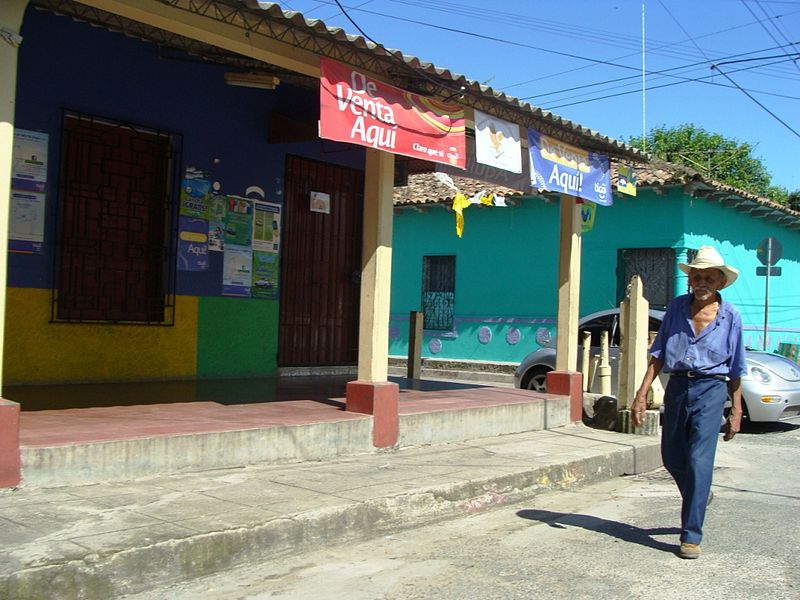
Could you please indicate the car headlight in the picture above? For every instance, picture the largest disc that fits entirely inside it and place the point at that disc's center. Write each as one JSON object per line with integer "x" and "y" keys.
{"x": 760, "y": 374}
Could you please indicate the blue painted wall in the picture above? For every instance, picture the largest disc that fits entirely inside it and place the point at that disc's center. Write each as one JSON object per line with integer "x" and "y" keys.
{"x": 64, "y": 64}
{"x": 507, "y": 264}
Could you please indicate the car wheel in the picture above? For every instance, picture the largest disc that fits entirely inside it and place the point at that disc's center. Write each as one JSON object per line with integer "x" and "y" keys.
{"x": 537, "y": 379}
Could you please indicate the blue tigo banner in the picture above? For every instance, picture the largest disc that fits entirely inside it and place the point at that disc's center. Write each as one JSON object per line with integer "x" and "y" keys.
{"x": 559, "y": 167}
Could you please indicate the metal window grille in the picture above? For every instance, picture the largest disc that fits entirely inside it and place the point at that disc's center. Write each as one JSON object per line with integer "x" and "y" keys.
{"x": 116, "y": 223}
{"x": 438, "y": 292}
{"x": 656, "y": 267}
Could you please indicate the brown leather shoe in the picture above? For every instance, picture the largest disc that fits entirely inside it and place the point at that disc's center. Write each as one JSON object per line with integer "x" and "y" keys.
{"x": 689, "y": 550}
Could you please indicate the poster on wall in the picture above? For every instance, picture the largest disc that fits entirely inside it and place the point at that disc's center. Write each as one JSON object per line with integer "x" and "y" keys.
{"x": 29, "y": 161}
{"x": 265, "y": 275}
{"x": 237, "y": 269}
{"x": 192, "y": 244}
{"x": 357, "y": 109}
{"x": 194, "y": 196}
{"x": 28, "y": 185}
{"x": 238, "y": 221}
{"x": 266, "y": 227}
{"x": 216, "y": 223}
{"x": 26, "y": 222}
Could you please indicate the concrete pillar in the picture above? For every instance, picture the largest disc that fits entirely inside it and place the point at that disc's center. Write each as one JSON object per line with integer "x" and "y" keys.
{"x": 372, "y": 393}
{"x": 634, "y": 335}
{"x": 569, "y": 284}
{"x": 566, "y": 379}
{"x": 11, "y": 13}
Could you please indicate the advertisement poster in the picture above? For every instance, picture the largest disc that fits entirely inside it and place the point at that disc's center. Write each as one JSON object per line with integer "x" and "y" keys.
{"x": 265, "y": 275}
{"x": 192, "y": 244}
{"x": 497, "y": 143}
{"x": 216, "y": 223}
{"x": 367, "y": 112}
{"x": 267, "y": 227}
{"x": 238, "y": 221}
{"x": 237, "y": 269}
{"x": 26, "y": 222}
{"x": 559, "y": 167}
{"x": 29, "y": 161}
{"x": 194, "y": 197}
{"x": 26, "y": 209}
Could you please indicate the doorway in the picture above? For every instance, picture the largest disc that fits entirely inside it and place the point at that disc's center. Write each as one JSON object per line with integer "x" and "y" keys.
{"x": 320, "y": 264}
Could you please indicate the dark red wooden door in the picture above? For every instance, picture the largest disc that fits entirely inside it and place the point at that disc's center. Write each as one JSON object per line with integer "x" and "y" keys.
{"x": 320, "y": 265}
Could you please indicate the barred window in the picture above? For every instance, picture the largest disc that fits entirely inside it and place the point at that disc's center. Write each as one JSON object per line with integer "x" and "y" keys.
{"x": 656, "y": 267}
{"x": 438, "y": 291}
{"x": 114, "y": 259}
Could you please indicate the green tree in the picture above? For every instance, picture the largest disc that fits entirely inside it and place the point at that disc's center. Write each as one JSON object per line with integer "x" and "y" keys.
{"x": 713, "y": 155}
{"x": 793, "y": 201}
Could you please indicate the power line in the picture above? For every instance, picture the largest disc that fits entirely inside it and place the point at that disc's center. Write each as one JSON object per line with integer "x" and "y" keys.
{"x": 681, "y": 79}
{"x": 776, "y": 117}
{"x": 763, "y": 25}
{"x": 698, "y": 80}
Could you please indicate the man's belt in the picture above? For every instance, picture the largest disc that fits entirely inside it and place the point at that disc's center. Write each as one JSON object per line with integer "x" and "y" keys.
{"x": 699, "y": 375}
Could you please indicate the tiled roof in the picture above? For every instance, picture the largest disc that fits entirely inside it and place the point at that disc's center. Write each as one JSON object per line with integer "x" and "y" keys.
{"x": 424, "y": 188}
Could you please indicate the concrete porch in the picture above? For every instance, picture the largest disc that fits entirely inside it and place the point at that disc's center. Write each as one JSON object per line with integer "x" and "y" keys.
{"x": 105, "y": 432}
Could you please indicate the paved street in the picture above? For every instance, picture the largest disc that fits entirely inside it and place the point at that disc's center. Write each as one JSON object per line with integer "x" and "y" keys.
{"x": 614, "y": 539}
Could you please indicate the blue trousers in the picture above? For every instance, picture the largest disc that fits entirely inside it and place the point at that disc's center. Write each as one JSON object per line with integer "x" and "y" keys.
{"x": 692, "y": 415}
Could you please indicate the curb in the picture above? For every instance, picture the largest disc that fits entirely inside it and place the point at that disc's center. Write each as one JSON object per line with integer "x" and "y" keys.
{"x": 102, "y": 576}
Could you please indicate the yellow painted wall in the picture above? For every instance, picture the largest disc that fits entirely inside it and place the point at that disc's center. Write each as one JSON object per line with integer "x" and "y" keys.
{"x": 37, "y": 351}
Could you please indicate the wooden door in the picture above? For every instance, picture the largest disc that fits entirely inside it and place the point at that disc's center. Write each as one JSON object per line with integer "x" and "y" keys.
{"x": 320, "y": 265}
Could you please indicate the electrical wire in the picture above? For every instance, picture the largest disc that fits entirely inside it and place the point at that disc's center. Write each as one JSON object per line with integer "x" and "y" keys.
{"x": 595, "y": 84}
{"x": 772, "y": 114}
{"x": 674, "y": 83}
{"x": 763, "y": 25}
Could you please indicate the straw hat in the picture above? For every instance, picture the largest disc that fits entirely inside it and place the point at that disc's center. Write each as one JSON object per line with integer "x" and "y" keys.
{"x": 708, "y": 258}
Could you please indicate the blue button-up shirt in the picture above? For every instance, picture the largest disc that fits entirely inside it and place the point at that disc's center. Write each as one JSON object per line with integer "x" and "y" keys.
{"x": 717, "y": 350}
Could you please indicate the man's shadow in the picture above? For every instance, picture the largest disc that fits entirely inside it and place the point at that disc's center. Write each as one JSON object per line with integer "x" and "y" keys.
{"x": 621, "y": 531}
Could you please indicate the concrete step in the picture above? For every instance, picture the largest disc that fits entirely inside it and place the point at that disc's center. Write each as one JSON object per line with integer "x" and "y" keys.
{"x": 453, "y": 417}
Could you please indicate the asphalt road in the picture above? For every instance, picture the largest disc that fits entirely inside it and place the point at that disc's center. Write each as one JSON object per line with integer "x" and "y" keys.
{"x": 616, "y": 539}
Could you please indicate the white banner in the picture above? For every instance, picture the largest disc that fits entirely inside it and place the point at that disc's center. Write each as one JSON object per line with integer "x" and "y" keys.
{"x": 497, "y": 143}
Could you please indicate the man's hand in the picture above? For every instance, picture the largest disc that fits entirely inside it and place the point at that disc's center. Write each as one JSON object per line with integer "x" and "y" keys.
{"x": 732, "y": 425}
{"x": 638, "y": 408}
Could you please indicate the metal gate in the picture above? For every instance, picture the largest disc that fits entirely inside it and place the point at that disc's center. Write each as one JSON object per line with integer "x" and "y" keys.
{"x": 320, "y": 265}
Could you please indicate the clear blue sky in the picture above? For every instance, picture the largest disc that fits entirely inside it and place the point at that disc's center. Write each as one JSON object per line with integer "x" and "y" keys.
{"x": 537, "y": 49}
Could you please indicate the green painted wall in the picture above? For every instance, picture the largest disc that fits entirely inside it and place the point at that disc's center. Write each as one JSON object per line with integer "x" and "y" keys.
{"x": 237, "y": 337}
{"x": 507, "y": 261}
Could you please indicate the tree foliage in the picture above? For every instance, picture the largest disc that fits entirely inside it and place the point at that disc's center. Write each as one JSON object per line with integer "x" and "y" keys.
{"x": 715, "y": 156}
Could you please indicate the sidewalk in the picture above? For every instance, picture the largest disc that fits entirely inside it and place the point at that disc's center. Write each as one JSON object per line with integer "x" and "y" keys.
{"x": 107, "y": 540}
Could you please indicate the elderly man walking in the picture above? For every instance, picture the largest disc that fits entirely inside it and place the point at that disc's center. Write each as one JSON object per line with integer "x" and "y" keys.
{"x": 700, "y": 346}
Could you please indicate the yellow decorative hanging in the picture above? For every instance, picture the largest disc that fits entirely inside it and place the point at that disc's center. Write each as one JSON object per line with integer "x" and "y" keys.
{"x": 460, "y": 202}
{"x": 487, "y": 199}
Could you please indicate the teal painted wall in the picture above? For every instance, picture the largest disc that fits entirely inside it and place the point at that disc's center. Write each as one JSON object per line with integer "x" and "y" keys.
{"x": 507, "y": 262}
{"x": 737, "y": 237}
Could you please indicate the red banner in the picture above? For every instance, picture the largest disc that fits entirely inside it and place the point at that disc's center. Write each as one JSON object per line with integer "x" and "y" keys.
{"x": 357, "y": 109}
